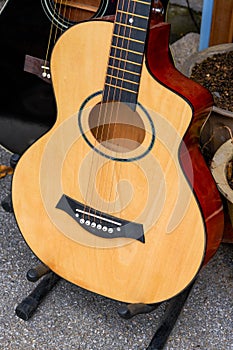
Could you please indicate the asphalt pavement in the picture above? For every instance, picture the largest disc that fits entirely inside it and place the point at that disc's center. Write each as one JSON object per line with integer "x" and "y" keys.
{"x": 73, "y": 318}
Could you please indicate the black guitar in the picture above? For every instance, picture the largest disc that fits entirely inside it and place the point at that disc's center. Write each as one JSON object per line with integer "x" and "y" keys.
{"x": 31, "y": 28}
{"x": 28, "y": 32}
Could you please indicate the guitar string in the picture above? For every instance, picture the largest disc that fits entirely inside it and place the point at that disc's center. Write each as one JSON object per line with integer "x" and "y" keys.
{"x": 125, "y": 45}
{"x": 87, "y": 191}
{"x": 110, "y": 111}
{"x": 64, "y": 16}
{"x": 69, "y": 21}
{"x": 57, "y": 9}
{"x": 94, "y": 169}
{"x": 120, "y": 50}
{"x": 86, "y": 196}
{"x": 59, "y": 12}
{"x": 106, "y": 110}
{"x": 68, "y": 8}
{"x": 103, "y": 110}
{"x": 50, "y": 36}
{"x": 112, "y": 76}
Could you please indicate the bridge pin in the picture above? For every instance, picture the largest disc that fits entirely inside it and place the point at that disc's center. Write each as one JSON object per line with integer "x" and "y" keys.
{"x": 87, "y": 222}
{"x": 110, "y": 230}
{"x": 82, "y": 221}
{"x": 93, "y": 224}
{"x": 99, "y": 227}
{"x": 104, "y": 228}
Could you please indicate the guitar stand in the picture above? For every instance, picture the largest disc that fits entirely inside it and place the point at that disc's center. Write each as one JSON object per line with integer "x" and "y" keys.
{"x": 28, "y": 306}
{"x": 168, "y": 320}
{"x": 7, "y": 202}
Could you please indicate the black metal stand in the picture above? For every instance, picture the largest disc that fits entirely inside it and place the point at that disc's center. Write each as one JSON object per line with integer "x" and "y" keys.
{"x": 169, "y": 318}
{"x": 7, "y": 202}
{"x": 171, "y": 314}
{"x": 28, "y": 306}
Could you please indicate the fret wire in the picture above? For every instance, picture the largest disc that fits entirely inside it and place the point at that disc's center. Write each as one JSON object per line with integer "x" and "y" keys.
{"x": 130, "y": 26}
{"x": 122, "y": 48}
{"x": 132, "y": 14}
{"x": 121, "y": 88}
{"x": 122, "y": 59}
{"x": 122, "y": 79}
{"x": 128, "y": 40}
{"x": 141, "y": 2}
{"x": 134, "y": 7}
{"x": 124, "y": 70}
{"x": 136, "y": 41}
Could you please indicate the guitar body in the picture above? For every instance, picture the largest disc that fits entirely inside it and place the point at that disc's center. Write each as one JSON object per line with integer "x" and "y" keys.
{"x": 134, "y": 177}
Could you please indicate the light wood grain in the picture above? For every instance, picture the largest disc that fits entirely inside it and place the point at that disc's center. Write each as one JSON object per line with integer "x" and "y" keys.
{"x": 122, "y": 269}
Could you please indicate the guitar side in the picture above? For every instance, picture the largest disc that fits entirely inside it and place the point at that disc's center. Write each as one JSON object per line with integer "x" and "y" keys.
{"x": 161, "y": 65}
{"x": 125, "y": 269}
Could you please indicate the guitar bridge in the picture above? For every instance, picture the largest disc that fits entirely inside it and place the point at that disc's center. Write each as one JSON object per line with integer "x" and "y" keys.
{"x": 38, "y": 67}
{"x": 100, "y": 224}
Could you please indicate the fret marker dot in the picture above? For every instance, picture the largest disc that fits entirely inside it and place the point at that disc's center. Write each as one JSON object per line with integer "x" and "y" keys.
{"x": 131, "y": 20}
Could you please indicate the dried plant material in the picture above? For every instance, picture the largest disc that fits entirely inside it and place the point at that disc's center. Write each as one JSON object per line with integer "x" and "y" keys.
{"x": 5, "y": 170}
{"x": 216, "y": 74}
{"x": 229, "y": 173}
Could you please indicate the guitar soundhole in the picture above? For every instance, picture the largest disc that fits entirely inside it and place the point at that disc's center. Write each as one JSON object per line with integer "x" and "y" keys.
{"x": 116, "y": 126}
{"x": 76, "y": 10}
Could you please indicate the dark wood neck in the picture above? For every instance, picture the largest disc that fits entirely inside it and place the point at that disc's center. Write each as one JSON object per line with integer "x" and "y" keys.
{"x": 127, "y": 51}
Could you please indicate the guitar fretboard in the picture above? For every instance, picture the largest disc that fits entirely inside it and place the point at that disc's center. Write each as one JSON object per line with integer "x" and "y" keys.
{"x": 127, "y": 51}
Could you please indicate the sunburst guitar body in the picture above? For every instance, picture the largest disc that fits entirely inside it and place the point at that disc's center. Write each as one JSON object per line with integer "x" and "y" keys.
{"x": 106, "y": 203}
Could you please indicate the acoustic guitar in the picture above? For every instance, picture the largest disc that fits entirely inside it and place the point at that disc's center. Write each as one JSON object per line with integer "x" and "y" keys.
{"x": 109, "y": 202}
{"x": 34, "y": 27}
{"x": 29, "y": 30}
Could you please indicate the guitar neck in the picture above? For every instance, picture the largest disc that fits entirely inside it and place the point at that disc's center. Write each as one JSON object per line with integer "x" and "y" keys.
{"x": 127, "y": 51}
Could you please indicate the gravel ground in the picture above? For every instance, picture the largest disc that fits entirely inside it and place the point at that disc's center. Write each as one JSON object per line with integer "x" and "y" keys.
{"x": 73, "y": 318}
